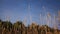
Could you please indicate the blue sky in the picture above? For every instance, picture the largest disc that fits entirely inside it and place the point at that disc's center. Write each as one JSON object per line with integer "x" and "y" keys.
{"x": 18, "y": 9}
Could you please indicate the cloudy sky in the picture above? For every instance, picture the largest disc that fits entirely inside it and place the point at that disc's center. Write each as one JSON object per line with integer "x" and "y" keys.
{"x": 29, "y": 10}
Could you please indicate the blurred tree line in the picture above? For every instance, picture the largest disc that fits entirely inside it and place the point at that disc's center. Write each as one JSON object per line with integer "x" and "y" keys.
{"x": 6, "y": 27}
